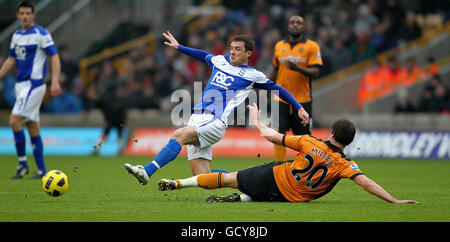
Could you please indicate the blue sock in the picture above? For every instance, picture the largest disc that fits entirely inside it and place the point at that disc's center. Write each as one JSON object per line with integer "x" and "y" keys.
{"x": 20, "y": 142}
{"x": 219, "y": 170}
{"x": 166, "y": 155}
{"x": 38, "y": 152}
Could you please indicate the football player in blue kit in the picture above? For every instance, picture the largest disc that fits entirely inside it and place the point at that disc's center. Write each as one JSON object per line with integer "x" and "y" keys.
{"x": 229, "y": 85}
{"x": 30, "y": 46}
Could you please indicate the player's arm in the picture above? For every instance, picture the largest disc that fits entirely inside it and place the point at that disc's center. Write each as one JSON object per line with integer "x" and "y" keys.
{"x": 7, "y": 66}
{"x": 55, "y": 88}
{"x": 375, "y": 189}
{"x": 313, "y": 65}
{"x": 194, "y": 53}
{"x": 286, "y": 96}
{"x": 273, "y": 75}
{"x": 47, "y": 44}
{"x": 268, "y": 133}
{"x": 311, "y": 71}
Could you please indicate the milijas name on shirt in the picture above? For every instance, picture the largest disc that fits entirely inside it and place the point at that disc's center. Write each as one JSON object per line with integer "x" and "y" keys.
{"x": 253, "y": 232}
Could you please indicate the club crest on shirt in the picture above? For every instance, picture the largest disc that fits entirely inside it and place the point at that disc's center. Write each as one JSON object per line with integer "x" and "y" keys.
{"x": 354, "y": 167}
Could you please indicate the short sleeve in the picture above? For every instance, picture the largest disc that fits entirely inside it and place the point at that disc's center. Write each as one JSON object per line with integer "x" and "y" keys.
{"x": 46, "y": 41}
{"x": 351, "y": 170}
{"x": 51, "y": 50}
{"x": 293, "y": 142}
{"x": 47, "y": 44}
{"x": 12, "y": 52}
{"x": 275, "y": 61}
{"x": 315, "y": 57}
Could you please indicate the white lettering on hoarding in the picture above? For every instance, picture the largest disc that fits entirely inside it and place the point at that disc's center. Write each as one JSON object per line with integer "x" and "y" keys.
{"x": 392, "y": 144}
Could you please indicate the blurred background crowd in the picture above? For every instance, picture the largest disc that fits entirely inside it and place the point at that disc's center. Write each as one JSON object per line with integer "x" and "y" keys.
{"x": 348, "y": 32}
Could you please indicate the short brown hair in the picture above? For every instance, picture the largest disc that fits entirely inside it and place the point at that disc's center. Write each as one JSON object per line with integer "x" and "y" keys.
{"x": 248, "y": 42}
{"x": 25, "y": 4}
{"x": 344, "y": 131}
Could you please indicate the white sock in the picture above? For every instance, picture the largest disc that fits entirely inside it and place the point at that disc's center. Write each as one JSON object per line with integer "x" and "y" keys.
{"x": 189, "y": 182}
{"x": 245, "y": 198}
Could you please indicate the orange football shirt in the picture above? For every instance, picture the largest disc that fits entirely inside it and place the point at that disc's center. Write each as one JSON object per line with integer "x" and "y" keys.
{"x": 306, "y": 53}
{"x": 316, "y": 169}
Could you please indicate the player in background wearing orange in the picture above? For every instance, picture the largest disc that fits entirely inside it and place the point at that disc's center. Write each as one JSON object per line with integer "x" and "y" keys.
{"x": 313, "y": 173}
{"x": 295, "y": 62}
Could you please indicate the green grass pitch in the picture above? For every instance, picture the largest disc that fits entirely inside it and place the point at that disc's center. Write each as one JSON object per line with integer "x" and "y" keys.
{"x": 101, "y": 190}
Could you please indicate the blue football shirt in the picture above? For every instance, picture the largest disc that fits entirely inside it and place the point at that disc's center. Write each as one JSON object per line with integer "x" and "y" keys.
{"x": 30, "y": 48}
{"x": 228, "y": 86}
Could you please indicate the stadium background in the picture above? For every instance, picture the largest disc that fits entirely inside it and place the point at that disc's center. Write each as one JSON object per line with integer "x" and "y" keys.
{"x": 116, "y": 45}
{"x": 123, "y": 52}
{"x": 112, "y": 52}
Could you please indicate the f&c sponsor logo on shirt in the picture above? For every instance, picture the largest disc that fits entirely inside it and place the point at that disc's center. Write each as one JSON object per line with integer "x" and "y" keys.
{"x": 222, "y": 80}
{"x": 21, "y": 52}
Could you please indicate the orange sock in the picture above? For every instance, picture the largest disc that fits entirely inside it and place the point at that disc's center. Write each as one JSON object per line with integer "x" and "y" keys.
{"x": 210, "y": 180}
{"x": 280, "y": 152}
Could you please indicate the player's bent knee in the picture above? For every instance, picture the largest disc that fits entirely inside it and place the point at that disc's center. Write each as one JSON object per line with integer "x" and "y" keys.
{"x": 179, "y": 135}
{"x": 185, "y": 135}
{"x": 15, "y": 122}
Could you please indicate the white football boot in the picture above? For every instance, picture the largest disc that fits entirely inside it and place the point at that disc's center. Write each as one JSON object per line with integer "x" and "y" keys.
{"x": 139, "y": 172}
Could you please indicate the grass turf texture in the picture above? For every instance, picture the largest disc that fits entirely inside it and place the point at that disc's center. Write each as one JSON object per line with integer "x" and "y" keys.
{"x": 101, "y": 190}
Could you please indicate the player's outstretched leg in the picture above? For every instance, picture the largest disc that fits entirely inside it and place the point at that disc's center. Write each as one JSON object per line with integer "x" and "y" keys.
{"x": 207, "y": 181}
{"x": 166, "y": 184}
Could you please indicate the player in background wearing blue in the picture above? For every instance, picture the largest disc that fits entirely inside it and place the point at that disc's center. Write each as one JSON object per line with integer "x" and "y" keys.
{"x": 229, "y": 85}
{"x": 30, "y": 46}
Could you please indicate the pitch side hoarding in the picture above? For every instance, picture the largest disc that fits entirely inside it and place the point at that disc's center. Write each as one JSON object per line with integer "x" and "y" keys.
{"x": 242, "y": 142}
{"x": 63, "y": 141}
{"x": 237, "y": 142}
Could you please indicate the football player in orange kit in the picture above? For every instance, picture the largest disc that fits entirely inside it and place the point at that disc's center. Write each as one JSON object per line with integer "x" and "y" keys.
{"x": 313, "y": 173}
{"x": 295, "y": 61}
